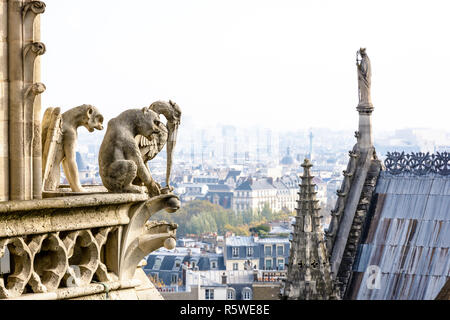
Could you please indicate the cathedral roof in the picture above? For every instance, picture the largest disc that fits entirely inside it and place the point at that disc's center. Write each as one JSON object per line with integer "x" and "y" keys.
{"x": 408, "y": 237}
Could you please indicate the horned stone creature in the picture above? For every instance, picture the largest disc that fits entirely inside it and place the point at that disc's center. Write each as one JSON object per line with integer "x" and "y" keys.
{"x": 59, "y": 139}
{"x": 149, "y": 148}
{"x": 133, "y": 138}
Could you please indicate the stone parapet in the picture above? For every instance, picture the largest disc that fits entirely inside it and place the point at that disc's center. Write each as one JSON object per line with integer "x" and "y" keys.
{"x": 70, "y": 247}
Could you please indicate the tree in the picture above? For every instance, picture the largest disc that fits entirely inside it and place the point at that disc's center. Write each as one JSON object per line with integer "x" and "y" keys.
{"x": 201, "y": 216}
{"x": 266, "y": 212}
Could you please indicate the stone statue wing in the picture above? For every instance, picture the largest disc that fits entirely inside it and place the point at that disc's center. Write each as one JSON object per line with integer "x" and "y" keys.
{"x": 151, "y": 147}
{"x": 51, "y": 146}
{"x": 44, "y": 127}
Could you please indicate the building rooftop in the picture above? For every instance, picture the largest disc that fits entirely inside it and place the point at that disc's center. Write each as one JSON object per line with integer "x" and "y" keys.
{"x": 273, "y": 240}
{"x": 219, "y": 188}
{"x": 251, "y": 241}
{"x": 239, "y": 241}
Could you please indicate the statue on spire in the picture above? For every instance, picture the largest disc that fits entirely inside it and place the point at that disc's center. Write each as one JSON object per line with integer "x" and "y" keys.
{"x": 364, "y": 78}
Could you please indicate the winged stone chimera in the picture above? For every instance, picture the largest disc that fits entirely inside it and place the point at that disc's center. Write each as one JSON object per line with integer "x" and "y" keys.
{"x": 59, "y": 139}
{"x": 133, "y": 138}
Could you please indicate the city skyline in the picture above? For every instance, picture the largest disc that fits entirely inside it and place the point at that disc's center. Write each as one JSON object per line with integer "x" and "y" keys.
{"x": 278, "y": 64}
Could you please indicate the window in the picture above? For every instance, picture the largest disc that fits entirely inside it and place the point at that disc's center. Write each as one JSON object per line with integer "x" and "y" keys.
{"x": 177, "y": 264}
{"x": 235, "y": 252}
{"x": 280, "y": 250}
{"x": 249, "y": 251}
{"x": 268, "y": 264}
{"x": 280, "y": 263}
{"x": 235, "y": 266}
{"x": 268, "y": 250}
{"x": 174, "y": 278}
{"x": 209, "y": 294}
{"x": 231, "y": 294}
{"x": 247, "y": 294}
{"x": 157, "y": 264}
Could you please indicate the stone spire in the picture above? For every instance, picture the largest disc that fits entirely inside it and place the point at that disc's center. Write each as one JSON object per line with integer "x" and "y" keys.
{"x": 308, "y": 276}
{"x": 355, "y": 194}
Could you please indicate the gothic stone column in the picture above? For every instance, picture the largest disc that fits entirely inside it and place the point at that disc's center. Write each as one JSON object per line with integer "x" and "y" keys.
{"x": 4, "y": 135}
{"x": 22, "y": 53}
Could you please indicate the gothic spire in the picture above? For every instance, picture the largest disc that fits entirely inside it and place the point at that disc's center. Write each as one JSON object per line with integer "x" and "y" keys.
{"x": 308, "y": 275}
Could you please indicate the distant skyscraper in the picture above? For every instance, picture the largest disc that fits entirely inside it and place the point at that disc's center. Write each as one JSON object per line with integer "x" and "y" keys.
{"x": 192, "y": 152}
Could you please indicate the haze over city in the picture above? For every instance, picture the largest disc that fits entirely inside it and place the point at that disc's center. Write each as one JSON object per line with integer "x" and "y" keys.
{"x": 279, "y": 64}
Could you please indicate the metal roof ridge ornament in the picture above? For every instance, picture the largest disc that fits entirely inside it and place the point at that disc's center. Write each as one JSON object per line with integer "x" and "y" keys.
{"x": 419, "y": 163}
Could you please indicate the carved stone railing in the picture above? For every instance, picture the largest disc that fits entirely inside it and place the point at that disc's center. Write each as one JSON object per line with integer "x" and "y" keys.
{"x": 74, "y": 246}
{"x": 417, "y": 163}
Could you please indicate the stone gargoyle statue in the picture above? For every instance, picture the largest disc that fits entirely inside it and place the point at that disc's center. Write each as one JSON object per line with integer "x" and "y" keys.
{"x": 167, "y": 135}
{"x": 133, "y": 138}
{"x": 59, "y": 139}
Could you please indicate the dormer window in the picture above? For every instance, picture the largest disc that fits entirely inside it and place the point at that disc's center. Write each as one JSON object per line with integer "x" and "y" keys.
{"x": 157, "y": 264}
{"x": 177, "y": 264}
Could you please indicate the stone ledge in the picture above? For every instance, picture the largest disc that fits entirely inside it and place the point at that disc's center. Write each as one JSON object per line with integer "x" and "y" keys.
{"x": 81, "y": 292}
{"x": 90, "y": 200}
{"x": 29, "y": 217}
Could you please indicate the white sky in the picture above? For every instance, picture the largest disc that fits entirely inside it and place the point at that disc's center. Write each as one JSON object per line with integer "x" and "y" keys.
{"x": 281, "y": 64}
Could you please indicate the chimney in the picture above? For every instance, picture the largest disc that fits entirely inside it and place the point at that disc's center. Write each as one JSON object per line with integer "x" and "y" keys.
{"x": 184, "y": 277}
{"x": 224, "y": 278}
{"x": 255, "y": 275}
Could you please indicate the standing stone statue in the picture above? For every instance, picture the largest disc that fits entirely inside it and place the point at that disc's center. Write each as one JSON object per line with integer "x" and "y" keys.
{"x": 364, "y": 78}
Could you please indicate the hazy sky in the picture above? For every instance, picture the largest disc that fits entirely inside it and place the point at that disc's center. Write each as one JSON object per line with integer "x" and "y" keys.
{"x": 281, "y": 64}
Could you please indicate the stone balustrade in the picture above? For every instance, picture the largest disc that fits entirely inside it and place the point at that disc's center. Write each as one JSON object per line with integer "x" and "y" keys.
{"x": 68, "y": 247}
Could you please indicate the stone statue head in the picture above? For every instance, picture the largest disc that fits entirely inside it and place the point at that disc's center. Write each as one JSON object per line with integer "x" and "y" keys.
{"x": 176, "y": 114}
{"x": 362, "y": 51}
{"x": 149, "y": 124}
{"x": 94, "y": 119}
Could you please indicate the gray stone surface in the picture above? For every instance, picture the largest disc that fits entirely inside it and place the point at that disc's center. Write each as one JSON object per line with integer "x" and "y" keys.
{"x": 120, "y": 160}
